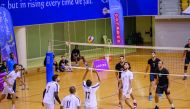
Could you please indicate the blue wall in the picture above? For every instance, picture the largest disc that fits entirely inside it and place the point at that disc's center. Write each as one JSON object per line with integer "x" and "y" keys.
{"x": 29, "y": 12}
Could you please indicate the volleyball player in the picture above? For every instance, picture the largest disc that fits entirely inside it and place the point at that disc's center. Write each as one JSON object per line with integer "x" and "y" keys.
{"x": 152, "y": 65}
{"x": 71, "y": 101}
{"x": 10, "y": 64}
{"x": 90, "y": 92}
{"x": 126, "y": 80}
{"x": 51, "y": 93}
{"x": 163, "y": 85}
{"x": 119, "y": 68}
{"x": 186, "y": 55}
{"x": 9, "y": 82}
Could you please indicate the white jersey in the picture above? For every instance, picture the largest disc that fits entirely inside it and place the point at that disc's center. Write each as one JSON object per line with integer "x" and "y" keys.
{"x": 70, "y": 102}
{"x": 11, "y": 77}
{"x": 90, "y": 94}
{"x": 126, "y": 77}
{"x": 51, "y": 88}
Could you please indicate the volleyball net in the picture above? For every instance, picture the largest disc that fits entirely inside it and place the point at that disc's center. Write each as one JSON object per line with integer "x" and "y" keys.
{"x": 138, "y": 56}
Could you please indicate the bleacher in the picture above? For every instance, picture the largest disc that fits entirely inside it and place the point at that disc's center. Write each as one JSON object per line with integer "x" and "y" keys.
{"x": 185, "y": 4}
{"x": 169, "y": 7}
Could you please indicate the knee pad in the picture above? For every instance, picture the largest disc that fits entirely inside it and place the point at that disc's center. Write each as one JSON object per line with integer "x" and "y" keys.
{"x": 185, "y": 67}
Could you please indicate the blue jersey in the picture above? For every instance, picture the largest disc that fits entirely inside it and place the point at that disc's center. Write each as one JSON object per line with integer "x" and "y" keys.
{"x": 10, "y": 64}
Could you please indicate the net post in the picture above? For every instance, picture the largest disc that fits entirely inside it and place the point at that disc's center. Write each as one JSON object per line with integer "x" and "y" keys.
{"x": 69, "y": 45}
{"x": 49, "y": 63}
{"x": 49, "y": 66}
{"x": 50, "y": 46}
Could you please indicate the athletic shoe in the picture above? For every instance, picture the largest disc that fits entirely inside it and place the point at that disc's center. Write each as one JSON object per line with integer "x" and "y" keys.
{"x": 185, "y": 78}
{"x": 135, "y": 105}
{"x": 172, "y": 107}
{"x": 156, "y": 107}
{"x": 150, "y": 97}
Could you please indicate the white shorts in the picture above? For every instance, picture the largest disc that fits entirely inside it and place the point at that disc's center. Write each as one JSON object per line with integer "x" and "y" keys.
{"x": 127, "y": 94}
{"x": 48, "y": 106}
{"x": 8, "y": 90}
{"x": 90, "y": 107}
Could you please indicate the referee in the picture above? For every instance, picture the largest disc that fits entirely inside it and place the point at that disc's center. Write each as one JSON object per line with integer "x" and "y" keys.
{"x": 163, "y": 85}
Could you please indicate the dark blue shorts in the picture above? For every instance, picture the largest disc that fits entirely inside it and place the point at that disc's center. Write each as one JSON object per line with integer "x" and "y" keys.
{"x": 152, "y": 77}
{"x": 162, "y": 89}
{"x": 187, "y": 60}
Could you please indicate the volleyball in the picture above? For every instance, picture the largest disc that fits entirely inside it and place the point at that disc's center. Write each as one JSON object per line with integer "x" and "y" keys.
{"x": 90, "y": 39}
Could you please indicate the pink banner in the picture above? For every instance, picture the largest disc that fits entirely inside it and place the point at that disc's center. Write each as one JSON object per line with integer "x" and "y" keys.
{"x": 101, "y": 65}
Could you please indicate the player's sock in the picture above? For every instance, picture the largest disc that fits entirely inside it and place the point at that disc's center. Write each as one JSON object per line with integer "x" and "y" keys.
{"x": 150, "y": 97}
{"x": 172, "y": 105}
{"x": 135, "y": 103}
{"x": 185, "y": 76}
{"x": 156, "y": 104}
{"x": 13, "y": 106}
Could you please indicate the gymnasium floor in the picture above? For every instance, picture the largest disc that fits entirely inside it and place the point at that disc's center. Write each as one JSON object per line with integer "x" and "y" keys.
{"x": 107, "y": 94}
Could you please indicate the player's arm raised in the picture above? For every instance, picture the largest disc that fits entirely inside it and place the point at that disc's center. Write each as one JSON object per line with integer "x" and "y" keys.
{"x": 97, "y": 75}
{"x": 85, "y": 74}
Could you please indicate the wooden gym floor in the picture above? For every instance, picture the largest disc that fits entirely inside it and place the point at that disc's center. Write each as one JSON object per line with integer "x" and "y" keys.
{"x": 107, "y": 94}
